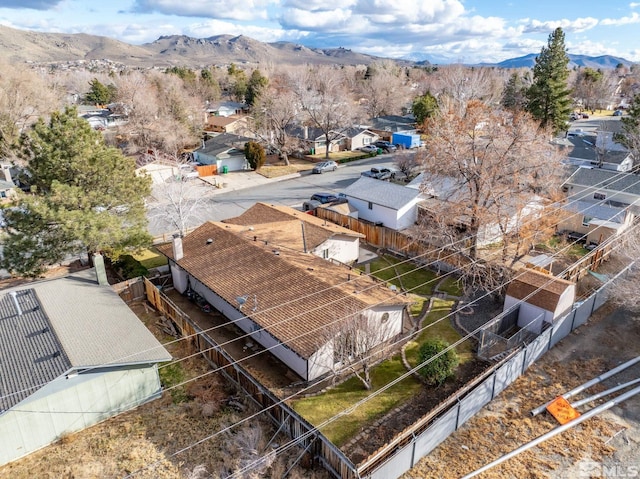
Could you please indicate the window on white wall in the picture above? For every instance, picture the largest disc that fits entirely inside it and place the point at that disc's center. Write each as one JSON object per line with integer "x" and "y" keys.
{"x": 370, "y": 206}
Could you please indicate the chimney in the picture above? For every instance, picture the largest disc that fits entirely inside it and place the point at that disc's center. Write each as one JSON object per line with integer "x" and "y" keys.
{"x": 14, "y": 297}
{"x": 306, "y": 132}
{"x": 177, "y": 247}
{"x": 101, "y": 272}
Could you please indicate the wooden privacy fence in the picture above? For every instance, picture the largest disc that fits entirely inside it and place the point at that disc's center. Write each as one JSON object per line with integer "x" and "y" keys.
{"x": 590, "y": 261}
{"x": 207, "y": 170}
{"x": 130, "y": 290}
{"x": 287, "y": 420}
{"x": 393, "y": 240}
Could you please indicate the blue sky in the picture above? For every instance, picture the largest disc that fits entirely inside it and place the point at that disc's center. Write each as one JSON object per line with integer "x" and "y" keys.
{"x": 468, "y": 31}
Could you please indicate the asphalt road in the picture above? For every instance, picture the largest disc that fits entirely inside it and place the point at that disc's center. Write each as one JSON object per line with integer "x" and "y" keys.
{"x": 292, "y": 192}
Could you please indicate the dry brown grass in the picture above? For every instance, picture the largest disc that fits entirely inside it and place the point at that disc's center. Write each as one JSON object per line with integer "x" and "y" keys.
{"x": 147, "y": 438}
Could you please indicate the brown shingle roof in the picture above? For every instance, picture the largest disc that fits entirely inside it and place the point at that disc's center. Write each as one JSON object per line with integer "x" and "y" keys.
{"x": 545, "y": 290}
{"x": 297, "y": 294}
{"x": 281, "y": 225}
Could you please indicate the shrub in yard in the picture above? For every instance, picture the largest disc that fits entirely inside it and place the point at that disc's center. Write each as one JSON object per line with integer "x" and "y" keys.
{"x": 130, "y": 267}
{"x": 170, "y": 376}
{"x": 255, "y": 154}
{"x": 438, "y": 370}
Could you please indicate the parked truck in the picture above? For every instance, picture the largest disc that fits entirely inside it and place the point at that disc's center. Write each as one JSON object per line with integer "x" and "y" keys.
{"x": 406, "y": 140}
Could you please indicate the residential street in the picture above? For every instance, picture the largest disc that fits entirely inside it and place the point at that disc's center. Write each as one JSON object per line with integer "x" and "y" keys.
{"x": 218, "y": 204}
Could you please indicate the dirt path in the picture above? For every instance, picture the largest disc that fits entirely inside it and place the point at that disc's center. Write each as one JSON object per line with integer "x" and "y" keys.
{"x": 608, "y": 442}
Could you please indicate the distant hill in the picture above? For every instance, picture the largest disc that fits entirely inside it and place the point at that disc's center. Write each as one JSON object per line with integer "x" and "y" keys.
{"x": 181, "y": 50}
{"x": 175, "y": 50}
{"x": 528, "y": 61}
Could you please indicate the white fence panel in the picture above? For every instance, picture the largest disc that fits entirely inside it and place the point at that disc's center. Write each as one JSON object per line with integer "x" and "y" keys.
{"x": 475, "y": 400}
{"x": 436, "y": 433}
{"x": 400, "y": 463}
{"x": 537, "y": 348}
{"x": 560, "y": 329}
{"x": 508, "y": 372}
{"x": 583, "y": 312}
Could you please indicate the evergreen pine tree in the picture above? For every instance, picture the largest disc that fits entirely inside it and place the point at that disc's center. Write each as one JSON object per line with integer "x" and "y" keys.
{"x": 85, "y": 197}
{"x": 548, "y": 97}
{"x": 630, "y": 134}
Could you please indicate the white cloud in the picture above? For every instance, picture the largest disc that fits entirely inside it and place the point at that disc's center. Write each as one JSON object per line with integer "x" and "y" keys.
{"x": 633, "y": 18}
{"x": 577, "y": 25}
{"x": 33, "y": 4}
{"x": 324, "y": 20}
{"x": 245, "y": 10}
{"x": 313, "y": 5}
{"x": 634, "y": 4}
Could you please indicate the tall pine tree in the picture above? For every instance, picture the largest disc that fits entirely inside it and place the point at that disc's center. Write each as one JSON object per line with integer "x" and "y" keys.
{"x": 548, "y": 98}
{"x": 85, "y": 197}
{"x": 630, "y": 134}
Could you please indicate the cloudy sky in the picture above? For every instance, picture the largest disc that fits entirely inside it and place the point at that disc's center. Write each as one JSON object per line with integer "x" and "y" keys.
{"x": 468, "y": 31}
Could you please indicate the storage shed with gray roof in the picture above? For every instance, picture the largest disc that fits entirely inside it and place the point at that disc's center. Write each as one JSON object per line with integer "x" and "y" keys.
{"x": 72, "y": 354}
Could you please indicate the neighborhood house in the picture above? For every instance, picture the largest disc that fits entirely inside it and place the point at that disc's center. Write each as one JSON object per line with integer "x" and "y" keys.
{"x": 72, "y": 354}
{"x": 292, "y": 303}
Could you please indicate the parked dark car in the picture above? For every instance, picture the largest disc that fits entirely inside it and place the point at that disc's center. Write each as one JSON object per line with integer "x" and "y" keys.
{"x": 386, "y": 146}
{"x": 378, "y": 173}
{"x": 325, "y": 166}
{"x": 318, "y": 199}
{"x": 617, "y": 113}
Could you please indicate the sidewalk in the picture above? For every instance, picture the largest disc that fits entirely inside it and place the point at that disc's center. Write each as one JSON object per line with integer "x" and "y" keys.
{"x": 239, "y": 180}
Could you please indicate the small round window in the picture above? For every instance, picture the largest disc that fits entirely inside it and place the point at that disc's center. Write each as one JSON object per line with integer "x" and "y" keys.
{"x": 385, "y": 318}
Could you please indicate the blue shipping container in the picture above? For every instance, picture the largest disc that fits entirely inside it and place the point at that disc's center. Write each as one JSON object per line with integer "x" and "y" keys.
{"x": 407, "y": 140}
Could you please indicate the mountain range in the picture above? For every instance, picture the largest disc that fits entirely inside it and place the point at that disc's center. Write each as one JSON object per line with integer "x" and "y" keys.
{"x": 19, "y": 46}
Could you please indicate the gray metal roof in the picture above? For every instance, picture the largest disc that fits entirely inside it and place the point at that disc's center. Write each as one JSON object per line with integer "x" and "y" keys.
{"x": 382, "y": 193}
{"x": 597, "y": 211}
{"x": 606, "y": 180}
{"x": 30, "y": 353}
{"x": 89, "y": 325}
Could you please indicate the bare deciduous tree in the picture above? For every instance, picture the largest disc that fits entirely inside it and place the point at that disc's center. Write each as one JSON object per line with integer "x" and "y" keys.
{"x": 276, "y": 110}
{"x": 484, "y": 167}
{"x": 162, "y": 115}
{"x": 179, "y": 200}
{"x": 353, "y": 341}
{"x": 24, "y": 96}
{"x": 326, "y": 102}
{"x": 384, "y": 89}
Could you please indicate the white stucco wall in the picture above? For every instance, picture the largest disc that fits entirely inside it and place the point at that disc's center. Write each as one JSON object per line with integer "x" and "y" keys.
{"x": 68, "y": 405}
{"x": 565, "y": 303}
{"x": 344, "y": 249}
{"x": 377, "y": 213}
{"x": 322, "y": 361}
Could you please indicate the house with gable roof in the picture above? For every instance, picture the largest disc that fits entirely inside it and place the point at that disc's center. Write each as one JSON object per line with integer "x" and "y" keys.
{"x": 283, "y": 225}
{"x": 391, "y": 205}
{"x": 600, "y": 203}
{"x": 72, "y": 354}
{"x": 223, "y": 150}
{"x": 290, "y": 302}
{"x": 540, "y": 297}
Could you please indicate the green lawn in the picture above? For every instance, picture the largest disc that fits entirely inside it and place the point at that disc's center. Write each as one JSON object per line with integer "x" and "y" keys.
{"x": 319, "y": 408}
{"x": 150, "y": 258}
{"x": 414, "y": 279}
{"x": 439, "y": 329}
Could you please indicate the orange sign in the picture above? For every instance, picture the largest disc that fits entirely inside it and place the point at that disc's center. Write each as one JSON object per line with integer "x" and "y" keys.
{"x": 562, "y": 410}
